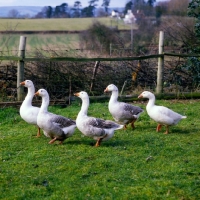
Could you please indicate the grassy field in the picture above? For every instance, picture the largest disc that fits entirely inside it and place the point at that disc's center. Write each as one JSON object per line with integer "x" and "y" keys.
{"x": 39, "y": 41}
{"x": 68, "y": 24}
{"x": 134, "y": 164}
{"x": 45, "y": 41}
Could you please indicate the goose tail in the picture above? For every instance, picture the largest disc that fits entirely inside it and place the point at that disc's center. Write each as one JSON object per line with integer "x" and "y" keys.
{"x": 120, "y": 126}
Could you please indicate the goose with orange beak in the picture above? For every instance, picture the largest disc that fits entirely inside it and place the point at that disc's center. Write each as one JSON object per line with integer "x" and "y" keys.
{"x": 99, "y": 129}
{"x": 58, "y": 127}
{"x": 28, "y": 112}
{"x": 162, "y": 115}
{"x": 122, "y": 112}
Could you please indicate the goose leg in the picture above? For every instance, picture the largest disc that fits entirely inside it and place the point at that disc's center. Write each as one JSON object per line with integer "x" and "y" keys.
{"x": 99, "y": 141}
{"x": 132, "y": 123}
{"x": 38, "y": 133}
{"x": 158, "y": 127}
{"x": 125, "y": 127}
{"x": 167, "y": 130}
{"x": 53, "y": 140}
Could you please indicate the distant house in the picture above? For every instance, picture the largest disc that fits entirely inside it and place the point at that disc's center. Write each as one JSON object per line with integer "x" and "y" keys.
{"x": 129, "y": 17}
{"x": 115, "y": 14}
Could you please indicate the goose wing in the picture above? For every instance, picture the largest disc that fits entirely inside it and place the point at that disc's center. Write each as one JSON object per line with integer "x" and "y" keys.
{"x": 132, "y": 110}
{"x": 61, "y": 121}
{"x": 105, "y": 124}
{"x": 95, "y": 127}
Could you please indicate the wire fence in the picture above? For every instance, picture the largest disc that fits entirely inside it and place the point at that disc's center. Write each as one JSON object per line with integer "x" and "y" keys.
{"x": 62, "y": 73}
{"x": 63, "y": 78}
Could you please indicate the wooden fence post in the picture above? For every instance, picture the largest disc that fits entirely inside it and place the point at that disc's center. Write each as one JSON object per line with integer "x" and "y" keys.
{"x": 94, "y": 74}
{"x": 122, "y": 90}
{"x": 20, "y": 68}
{"x": 159, "y": 87}
{"x": 131, "y": 36}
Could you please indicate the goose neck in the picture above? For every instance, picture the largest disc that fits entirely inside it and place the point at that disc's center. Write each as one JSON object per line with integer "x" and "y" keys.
{"x": 84, "y": 107}
{"x": 114, "y": 95}
{"x": 45, "y": 104}
{"x": 151, "y": 102}
{"x": 30, "y": 95}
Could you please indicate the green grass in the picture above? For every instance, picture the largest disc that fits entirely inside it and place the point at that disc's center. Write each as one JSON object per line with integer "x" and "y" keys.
{"x": 53, "y": 42}
{"x": 134, "y": 164}
{"x": 45, "y": 41}
{"x": 69, "y": 24}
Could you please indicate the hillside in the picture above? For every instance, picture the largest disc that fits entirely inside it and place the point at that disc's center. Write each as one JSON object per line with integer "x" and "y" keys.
{"x": 30, "y": 10}
{"x": 23, "y": 10}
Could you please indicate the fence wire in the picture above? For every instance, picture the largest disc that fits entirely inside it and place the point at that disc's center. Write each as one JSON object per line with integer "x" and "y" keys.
{"x": 61, "y": 79}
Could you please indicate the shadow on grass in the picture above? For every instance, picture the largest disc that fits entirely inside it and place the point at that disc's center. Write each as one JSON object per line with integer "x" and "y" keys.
{"x": 109, "y": 143}
{"x": 177, "y": 130}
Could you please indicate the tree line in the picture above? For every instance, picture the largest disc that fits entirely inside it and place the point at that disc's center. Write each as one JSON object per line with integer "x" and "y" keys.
{"x": 64, "y": 10}
{"x": 148, "y": 7}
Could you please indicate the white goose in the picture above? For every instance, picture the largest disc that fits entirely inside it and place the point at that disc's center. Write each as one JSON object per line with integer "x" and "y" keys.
{"x": 57, "y": 126}
{"x": 122, "y": 112}
{"x": 96, "y": 128}
{"x": 28, "y": 112}
{"x": 162, "y": 115}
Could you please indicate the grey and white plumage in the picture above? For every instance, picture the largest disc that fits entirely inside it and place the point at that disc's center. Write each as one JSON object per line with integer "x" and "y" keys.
{"x": 98, "y": 129}
{"x": 122, "y": 112}
{"x": 162, "y": 115}
{"x": 28, "y": 112}
{"x": 58, "y": 127}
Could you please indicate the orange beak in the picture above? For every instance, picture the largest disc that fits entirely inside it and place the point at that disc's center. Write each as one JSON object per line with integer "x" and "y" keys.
{"x": 140, "y": 96}
{"x": 106, "y": 90}
{"x": 37, "y": 93}
{"x": 22, "y": 83}
{"x": 76, "y": 94}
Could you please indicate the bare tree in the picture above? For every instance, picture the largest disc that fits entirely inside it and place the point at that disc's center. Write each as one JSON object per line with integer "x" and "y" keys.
{"x": 105, "y": 5}
{"x": 177, "y": 7}
{"x": 13, "y": 13}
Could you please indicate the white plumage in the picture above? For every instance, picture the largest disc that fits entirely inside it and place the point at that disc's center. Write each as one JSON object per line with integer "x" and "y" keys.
{"x": 162, "y": 115}
{"x": 57, "y": 126}
{"x": 96, "y": 128}
{"x": 28, "y": 112}
{"x": 122, "y": 112}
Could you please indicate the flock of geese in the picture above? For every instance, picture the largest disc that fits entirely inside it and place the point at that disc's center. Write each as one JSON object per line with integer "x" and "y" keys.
{"x": 59, "y": 128}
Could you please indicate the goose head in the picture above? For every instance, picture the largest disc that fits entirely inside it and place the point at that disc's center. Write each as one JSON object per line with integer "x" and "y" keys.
{"x": 146, "y": 94}
{"x": 27, "y": 83}
{"x": 111, "y": 88}
{"x": 83, "y": 95}
{"x": 41, "y": 92}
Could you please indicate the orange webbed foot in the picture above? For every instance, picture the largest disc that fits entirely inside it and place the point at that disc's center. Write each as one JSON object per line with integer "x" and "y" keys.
{"x": 158, "y": 127}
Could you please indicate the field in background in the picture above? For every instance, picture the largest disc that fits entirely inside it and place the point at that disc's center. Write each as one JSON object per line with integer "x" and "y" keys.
{"x": 68, "y": 24}
{"x": 45, "y": 39}
{"x": 39, "y": 41}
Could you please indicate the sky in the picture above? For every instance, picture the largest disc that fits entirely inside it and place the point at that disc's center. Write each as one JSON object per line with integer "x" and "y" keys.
{"x": 53, "y": 3}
